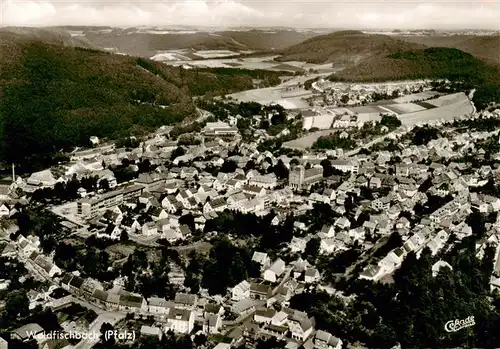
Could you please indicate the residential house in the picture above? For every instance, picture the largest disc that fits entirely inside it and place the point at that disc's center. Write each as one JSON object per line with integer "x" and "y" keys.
{"x": 311, "y": 275}
{"x": 343, "y": 223}
{"x": 323, "y": 340}
{"x": 268, "y": 181}
{"x": 262, "y": 259}
{"x": 180, "y": 320}
{"x": 264, "y": 316}
{"x": 215, "y": 205}
{"x": 254, "y": 190}
{"x": 212, "y": 323}
{"x": 130, "y": 302}
{"x": 241, "y": 291}
{"x": 243, "y": 307}
{"x": 158, "y": 305}
{"x": 260, "y": 291}
{"x": 185, "y": 301}
{"x": 436, "y": 267}
{"x": 300, "y": 325}
{"x": 275, "y": 271}
{"x": 151, "y": 331}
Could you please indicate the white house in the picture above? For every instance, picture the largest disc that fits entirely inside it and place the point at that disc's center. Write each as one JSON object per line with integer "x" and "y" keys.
{"x": 212, "y": 323}
{"x": 241, "y": 291}
{"x": 151, "y": 331}
{"x": 180, "y": 320}
{"x": 275, "y": 270}
{"x": 158, "y": 306}
{"x": 261, "y": 258}
{"x": 323, "y": 340}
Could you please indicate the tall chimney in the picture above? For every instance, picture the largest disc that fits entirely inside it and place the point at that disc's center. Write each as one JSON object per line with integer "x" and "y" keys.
{"x": 13, "y": 173}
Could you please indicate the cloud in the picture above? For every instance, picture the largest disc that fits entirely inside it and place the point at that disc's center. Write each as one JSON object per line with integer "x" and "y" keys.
{"x": 317, "y": 13}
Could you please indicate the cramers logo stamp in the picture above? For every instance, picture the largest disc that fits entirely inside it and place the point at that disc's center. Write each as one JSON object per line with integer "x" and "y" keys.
{"x": 457, "y": 325}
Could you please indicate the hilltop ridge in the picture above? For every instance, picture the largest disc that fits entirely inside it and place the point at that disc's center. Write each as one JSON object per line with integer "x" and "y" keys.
{"x": 345, "y": 48}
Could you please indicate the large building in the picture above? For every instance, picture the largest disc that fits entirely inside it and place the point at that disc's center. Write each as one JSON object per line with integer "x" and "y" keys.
{"x": 91, "y": 207}
{"x": 345, "y": 165}
{"x": 214, "y": 129}
{"x": 300, "y": 178}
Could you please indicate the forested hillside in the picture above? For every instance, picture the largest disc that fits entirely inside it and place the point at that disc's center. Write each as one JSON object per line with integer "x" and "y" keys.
{"x": 433, "y": 63}
{"x": 56, "y": 97}
{"x": 345, "y": 48}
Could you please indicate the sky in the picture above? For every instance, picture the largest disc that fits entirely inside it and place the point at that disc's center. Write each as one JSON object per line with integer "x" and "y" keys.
{"x": 353, "y": 14}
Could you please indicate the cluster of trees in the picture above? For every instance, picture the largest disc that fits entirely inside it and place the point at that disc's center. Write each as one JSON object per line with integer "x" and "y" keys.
{"x": 127, "y": 142}
{"x": 147, "y": 277}
{"x": 414, "y": 309}
{"x": 67, "y": 191}
{"x": 187, "y": 140}
{"x": 339, "y": 263}
{"x": 382, "y": 96}
{"x": 421, "y": 135}
{"x": 334, "y": 141}
{"x": 41, "y": 223}
{"x": 390, "y": 121}
{"x": 225, "y": 266}
{"x": 479, "y": 124}
{"x": 90, "y": 259}
{"x": 247, "y": 225}
{"x": 179, "y": 130}
{"x": 220, "y": 81}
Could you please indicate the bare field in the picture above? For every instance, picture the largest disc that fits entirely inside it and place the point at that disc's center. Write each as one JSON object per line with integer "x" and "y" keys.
{"x": 230, "y": 59}
{"x": 416, "y": 97}
{"x": 272, "y": 95}
{"x": 405, "y": 108}
{"x": 306, "y": 141}
{"x": 461, "y": 107}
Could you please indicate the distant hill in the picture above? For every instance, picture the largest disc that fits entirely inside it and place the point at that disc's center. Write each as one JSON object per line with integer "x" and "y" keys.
{"x": 148, "y": 42}
{"x": 345, "y": 48}
{"x": 433, "y": 62}
{"x": 48, "y": 35}
{"x": 54, "y": 96}
{"x": 485, "y": 47}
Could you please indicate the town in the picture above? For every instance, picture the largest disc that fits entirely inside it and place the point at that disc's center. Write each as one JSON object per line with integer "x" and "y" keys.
{"x": 216, "y": 236}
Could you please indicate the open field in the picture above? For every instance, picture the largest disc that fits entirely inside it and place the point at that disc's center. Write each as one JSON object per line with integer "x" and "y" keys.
{"x": 405, "y": 108}
{"x": 460, "y": 106}
{"x": 228, "y": 59}
{"x": 216, "y": 53}
{"x": 322, "y": 121}
{"x": 272, "y": 95}
{"x": 417, "y": 97}
{"x": 450, "y": 107}
{"x": 447, "y": 100}
{"x": 287, "y": 94}
{"x": 306, "y": 141}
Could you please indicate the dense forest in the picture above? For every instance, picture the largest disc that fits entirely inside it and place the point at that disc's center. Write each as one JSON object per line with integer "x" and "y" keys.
{"x": 56, "y": 97}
